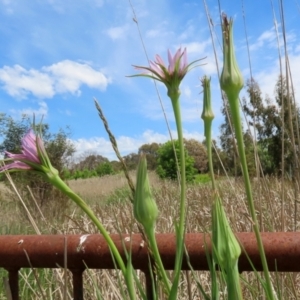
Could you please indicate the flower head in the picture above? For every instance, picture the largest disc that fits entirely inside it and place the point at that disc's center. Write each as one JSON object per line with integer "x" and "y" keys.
{"x": 172, "y": 75}
{"x": 33, "y": 157}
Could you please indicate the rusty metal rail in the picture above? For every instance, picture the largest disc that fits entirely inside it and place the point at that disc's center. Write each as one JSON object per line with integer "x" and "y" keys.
{"x": 75, "y": 251}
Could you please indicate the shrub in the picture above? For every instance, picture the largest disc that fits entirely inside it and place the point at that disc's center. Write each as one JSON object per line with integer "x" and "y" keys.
{"x": 166, "y": 162}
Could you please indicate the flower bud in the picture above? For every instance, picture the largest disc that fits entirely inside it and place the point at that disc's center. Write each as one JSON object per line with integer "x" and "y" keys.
{"x": 226, "y": 248}
{"x": 145, "y": 209}
{"x": 231, "y": 78}
{"x": 207, "y": 113}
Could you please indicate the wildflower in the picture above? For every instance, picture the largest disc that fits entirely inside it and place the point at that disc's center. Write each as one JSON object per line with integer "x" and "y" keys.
{"x": 145, "y": 209}
{"x": 33, "y": 157}
{"x": 231, "y": 78}
{"x": 172, "y": 75}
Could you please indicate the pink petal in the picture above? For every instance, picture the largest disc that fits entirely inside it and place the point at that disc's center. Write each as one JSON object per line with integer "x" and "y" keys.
{"x": 171, "y": 62}
{"x": 41, "y": 146}
{"x": 15, "y": 165}
{"x": 157, "y": 69}
{"x": 15, "y": 156}
{"x": 183, "y": 61}
{"x": 146, "y": 71}
{"x": 177, "y": 55}
{"x": 29, "y": 147}
{"x": 159, "y": 60}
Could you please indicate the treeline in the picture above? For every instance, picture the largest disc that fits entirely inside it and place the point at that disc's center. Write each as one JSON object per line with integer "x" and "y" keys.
{"x": 272, "y": 138}
{"x": 160, "y": 157}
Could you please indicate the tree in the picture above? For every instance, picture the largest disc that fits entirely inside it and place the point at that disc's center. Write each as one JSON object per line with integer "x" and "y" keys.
{"x": 218, "y": 157}
{"x": 227, "y": 140}
{"x": 58, "y": 147}
{"x": 166, "y": 162}
{"x": 290, "y": 122}
{"x": 151, "y": 154}
{"x": 90, "y": 161}
{"x": 104, "y": 168}
{"x": 131, "y": 160}
{"x": 273, "y": 124}
{"x": 198, "y": 152}
{"x": 264, "y": 117}
{"x": 12, "y": 131}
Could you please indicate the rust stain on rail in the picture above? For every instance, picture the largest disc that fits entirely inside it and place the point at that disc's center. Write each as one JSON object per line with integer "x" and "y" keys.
{"x": 47, "y": 251}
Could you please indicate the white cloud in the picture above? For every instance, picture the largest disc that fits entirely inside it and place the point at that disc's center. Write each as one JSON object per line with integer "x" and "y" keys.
{"x": 39, "y": 113}
{"x": 69, "y": 75}
{"x": 196, "y": 47}
{"x": 186, "y": 91}
{"x": 153, "y": 33}
{"x": 63, "y": 77}
{"x": 267, "y": 37}
{"x": 18, "y": 82}
{"x": 118, "y": 32}
{"x": 270, "y": 39}
{"x": 7, "y": 6}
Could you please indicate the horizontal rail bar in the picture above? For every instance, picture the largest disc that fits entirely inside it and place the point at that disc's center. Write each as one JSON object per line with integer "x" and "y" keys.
{"x": 48, "y": 251}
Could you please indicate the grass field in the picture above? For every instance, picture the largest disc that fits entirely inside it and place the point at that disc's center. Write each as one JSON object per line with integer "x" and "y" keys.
{"x": 110, "y": 198}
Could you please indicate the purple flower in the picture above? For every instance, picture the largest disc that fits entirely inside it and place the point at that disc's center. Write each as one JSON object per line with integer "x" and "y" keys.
{"x": 33, "y": 156}
{"x": 172, "y": 75}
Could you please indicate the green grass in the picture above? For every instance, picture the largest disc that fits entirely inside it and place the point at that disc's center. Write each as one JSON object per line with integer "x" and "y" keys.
{"x": 202, "y": 178}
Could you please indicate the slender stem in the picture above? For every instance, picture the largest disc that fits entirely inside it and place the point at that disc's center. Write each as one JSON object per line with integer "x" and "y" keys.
{"x": 207, "y": 130}
{"x": 62, "y": 186}
{"x": 234, "y": 106}
{"x": 153, "y": 246}
{"x": 129, "y": 279}
{"x": 233, "y": 284}
{"x": 180, "y": 230}
{"x": 207, "y": 133}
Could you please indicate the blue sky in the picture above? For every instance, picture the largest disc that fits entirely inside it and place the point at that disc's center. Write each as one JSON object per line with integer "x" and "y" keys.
{"x": 56, "y": 56}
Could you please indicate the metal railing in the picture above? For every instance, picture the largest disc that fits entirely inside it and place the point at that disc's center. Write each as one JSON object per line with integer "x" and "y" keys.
{"x": 75, "y": 252}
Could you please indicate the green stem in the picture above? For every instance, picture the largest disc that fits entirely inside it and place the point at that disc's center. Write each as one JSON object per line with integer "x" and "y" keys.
{"x": 180, "y": 231}
{"x": 154, "y": 250}
{"x": 207, "y": 132}
{"x": 62, "y": 186}
{"x": 235, "y": 111}
{"x": 233, "y": 284}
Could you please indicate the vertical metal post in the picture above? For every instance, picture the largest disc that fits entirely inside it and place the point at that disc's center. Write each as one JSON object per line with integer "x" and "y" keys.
{"x": 77, "y": 284}
{"x": 149, "y": 284}
{"x": 13, "y": 280}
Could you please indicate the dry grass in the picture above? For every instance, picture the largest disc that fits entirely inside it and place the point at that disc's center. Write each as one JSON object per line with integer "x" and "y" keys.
{"x": 267, "y": 198}
{"x": 109, "y": 197}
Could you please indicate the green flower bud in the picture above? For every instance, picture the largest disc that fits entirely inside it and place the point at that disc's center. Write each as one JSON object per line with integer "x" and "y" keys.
{"x": 226, "y": 248}
{"x": 207, "y": 113}
{"x": 231, "y": 78}
{"x": 144, "y": 206}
